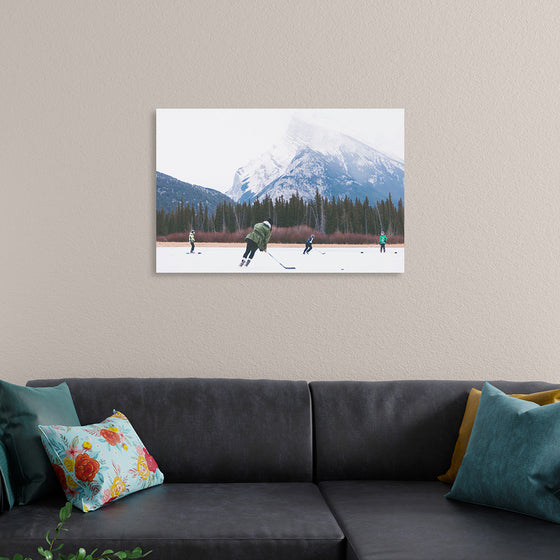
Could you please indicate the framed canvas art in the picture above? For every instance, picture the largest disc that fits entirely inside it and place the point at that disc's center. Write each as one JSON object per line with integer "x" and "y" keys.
{"x": 280, "y": 191}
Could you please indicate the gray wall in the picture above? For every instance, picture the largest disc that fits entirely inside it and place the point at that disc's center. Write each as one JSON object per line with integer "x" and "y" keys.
{"x": 80, "y": 84}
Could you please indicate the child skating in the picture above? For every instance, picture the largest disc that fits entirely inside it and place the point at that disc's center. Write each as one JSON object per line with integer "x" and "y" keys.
{"x": 382, "y": 241}
{"x": 308, "y": 245}
{"x": 257, "y": 239}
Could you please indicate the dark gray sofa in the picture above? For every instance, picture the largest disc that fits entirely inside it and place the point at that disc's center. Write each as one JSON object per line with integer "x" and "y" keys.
{"x": 267, "y": 470}
{"x": 379, "y": 448}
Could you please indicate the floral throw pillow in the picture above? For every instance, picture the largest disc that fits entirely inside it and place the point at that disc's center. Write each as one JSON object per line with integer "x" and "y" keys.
{"x": 99, "y": 463}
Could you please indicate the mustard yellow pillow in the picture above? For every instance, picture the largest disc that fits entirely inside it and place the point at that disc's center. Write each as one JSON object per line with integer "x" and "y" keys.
{"x": 541, "y": 398}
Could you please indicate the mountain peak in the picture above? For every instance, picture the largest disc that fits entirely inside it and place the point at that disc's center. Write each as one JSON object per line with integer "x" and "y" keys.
{"x": 318, "y": 138}
{"x": 312, "y": 157}
{"x": 300, "y": 130}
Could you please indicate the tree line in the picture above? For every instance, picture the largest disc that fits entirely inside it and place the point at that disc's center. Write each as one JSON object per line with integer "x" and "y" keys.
{"x": 320, "y": 214}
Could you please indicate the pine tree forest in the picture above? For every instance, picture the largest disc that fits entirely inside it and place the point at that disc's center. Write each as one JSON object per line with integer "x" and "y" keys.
{"x": 321, "y": 215}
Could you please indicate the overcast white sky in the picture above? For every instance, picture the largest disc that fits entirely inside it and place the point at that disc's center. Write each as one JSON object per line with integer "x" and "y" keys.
{"x": 207, "y": 146}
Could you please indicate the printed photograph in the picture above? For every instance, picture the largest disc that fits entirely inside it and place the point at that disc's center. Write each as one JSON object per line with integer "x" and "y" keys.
{"x": 280, "y": 191}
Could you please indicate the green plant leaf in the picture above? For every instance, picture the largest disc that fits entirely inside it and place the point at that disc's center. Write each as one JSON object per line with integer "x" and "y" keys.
{"x": 18, "y": 557}
{"x": 47, "y": 554}
{"x": 65, "y": 512}
{"x": 68, "y": 508}
{"x": 104, "y": 553}
{"x": 121, "y": 555}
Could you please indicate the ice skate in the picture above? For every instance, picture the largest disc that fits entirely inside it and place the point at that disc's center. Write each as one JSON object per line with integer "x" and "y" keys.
{"x": 242, "y": 263}
{"x": 248, "y": 261}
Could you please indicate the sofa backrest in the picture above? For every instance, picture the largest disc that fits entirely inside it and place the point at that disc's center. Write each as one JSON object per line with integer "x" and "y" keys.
{"x": 400, "y": 430}
{"x": 208, "y": 430}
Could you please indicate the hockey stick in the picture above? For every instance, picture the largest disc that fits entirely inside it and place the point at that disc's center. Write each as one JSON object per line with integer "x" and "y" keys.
{"x": 283, "y": 266}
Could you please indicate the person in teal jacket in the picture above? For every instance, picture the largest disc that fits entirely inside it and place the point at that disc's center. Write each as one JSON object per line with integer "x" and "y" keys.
{"x": 257, "y": 239}
{"x": 382, "y": 241}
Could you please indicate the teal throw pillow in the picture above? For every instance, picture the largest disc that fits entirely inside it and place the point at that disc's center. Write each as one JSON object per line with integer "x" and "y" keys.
{"x": 513, "y": 457}
{"x": 7, "y": 498}
{"x": 21, "y": 410}
{"x": 99, "y": 463}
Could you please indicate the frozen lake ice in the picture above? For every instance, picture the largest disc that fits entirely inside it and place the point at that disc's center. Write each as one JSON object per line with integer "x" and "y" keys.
{"x": 224, "y": 259}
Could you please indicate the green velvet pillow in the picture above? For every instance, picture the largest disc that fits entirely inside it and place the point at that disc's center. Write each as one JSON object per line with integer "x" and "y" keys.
{"x": 22, "y": 409}
{"x": 513, "y": 457}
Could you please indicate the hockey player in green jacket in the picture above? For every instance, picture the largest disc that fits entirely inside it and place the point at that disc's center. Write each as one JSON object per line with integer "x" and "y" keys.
{"x": 382, "y": 241}
{"x": 257, "y": 239}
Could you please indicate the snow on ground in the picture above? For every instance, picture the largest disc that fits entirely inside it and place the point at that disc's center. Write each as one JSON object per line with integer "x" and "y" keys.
{"x": 330, "y": 259}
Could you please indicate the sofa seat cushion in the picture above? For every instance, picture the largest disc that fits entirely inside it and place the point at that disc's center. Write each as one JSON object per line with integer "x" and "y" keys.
{"x": 288, "y": 521}
{"x": 397, "y": 520}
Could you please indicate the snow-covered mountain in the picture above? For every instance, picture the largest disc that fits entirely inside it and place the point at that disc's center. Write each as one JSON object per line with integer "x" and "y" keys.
{"x": 311, "y": 157}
